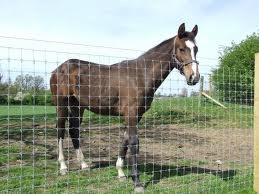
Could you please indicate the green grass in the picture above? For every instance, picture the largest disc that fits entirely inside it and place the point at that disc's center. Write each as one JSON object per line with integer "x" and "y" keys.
{"x": 187, "y": 111}
{"x": 44, "y": 178}
{"x": 38, "y": 174}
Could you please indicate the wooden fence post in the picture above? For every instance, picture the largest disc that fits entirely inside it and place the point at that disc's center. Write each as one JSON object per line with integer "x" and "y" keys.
{"x": 210, "y": 85}
{"x": 201, "y": 89}
{"x": 256, "y": 124}
{"x": 201, "y": 84}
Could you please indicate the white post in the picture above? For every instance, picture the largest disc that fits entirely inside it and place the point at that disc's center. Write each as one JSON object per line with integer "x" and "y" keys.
{"x": 256, "y": 124}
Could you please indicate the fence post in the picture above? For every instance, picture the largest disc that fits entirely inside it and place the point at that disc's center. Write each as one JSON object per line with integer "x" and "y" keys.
{"x": 256, "y": 124}
{"x": 201, "y": 89}
{"x": 210, "y": 85}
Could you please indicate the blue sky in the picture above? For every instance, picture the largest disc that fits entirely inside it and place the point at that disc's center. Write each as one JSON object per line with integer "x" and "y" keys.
{"x": 135, "y": 24}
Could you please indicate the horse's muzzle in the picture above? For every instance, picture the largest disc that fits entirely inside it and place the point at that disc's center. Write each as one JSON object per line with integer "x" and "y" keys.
{"x": 193, "y": 80}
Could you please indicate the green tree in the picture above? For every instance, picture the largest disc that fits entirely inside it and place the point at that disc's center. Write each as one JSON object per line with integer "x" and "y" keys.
{"x": 24, "y": 82}
{"x": 233, "y": 80}
{"x": 3, "y": 91}
{"x": 38, "y": 84}
{"x": 3, "y": 85}
{"x": 29, "y": 83}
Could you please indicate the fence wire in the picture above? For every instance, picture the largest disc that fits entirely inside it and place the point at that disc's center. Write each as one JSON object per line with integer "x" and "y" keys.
{"x": 188, "y": 144}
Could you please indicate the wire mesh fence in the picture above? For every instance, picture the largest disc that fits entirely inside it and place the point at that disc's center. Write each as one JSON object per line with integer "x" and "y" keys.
{"x": 188, "y": 144}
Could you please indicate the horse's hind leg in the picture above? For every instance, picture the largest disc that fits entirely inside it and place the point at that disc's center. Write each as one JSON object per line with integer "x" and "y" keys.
{"x": 75, "y": 119}
{"x": 61, "y": 121}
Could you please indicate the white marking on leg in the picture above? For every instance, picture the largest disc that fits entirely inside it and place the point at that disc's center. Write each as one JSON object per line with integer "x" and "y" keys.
{"x": 191, "y": 45}
{"x": 61, "y": 158}
{"x": 81, "y": 158}
{"x": 119, "y": 166}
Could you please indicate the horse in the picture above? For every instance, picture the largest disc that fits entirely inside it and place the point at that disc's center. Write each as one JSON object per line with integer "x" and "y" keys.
{"x": 123, "y": 89}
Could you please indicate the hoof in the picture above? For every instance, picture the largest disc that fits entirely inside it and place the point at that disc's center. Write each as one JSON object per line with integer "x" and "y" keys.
{"x": 139, "y": 189}
{"x": 122, "y": 178}
{"x": 63, "y": 171}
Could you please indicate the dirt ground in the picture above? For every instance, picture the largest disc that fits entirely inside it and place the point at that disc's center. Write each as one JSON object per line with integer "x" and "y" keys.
{"x": 171, "y": 144}
{"x": 162, "y": 144}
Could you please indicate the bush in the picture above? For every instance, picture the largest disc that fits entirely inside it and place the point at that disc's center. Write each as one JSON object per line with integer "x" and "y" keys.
{"x": 3, "y": 99}
{"x": 233, "y": 81}
{"x": 40, "y": 98}
{"x": 12, "y": 101}
{"x": 27, "y": 100}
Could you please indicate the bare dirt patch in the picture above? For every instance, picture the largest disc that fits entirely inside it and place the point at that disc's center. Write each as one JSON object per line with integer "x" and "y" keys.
{"x": 162, "y": 145}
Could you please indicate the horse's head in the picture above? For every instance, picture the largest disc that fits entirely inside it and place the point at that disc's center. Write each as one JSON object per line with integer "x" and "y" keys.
{"x": 184, "y": 54}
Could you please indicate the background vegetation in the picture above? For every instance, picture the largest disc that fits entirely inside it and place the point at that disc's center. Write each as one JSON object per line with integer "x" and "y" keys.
{"x": 24, "y": 90}
{"x": 233, "y": 80}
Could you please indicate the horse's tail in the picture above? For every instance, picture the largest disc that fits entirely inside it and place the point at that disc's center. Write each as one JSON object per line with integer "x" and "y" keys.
{"x": 53, "y": 87}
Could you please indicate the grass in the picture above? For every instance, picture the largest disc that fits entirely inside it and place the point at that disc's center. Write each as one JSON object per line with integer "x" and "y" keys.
{"x": 21, "y": 171}
{"x": 190, "y": 111}
{"x": 187, "y": 111}
{"x": 44, "y": 178}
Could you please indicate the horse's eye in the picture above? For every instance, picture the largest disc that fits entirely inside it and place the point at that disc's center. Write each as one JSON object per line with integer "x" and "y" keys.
{"x": 182, "y": 49}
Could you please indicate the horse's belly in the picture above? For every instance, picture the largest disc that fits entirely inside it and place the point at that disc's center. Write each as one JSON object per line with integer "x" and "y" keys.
{"x": 112, "y": 111}
{"x": 101, "y": 105}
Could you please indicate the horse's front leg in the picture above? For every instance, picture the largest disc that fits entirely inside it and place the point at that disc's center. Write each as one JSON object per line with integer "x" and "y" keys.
{"x": 134, "y": 152}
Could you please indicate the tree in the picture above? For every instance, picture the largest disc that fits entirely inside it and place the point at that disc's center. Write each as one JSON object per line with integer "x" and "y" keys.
{"x": 3, "y": 85}
{"x": 234, "y": 79}
{"x": 194, "y": 93}
{"x": 24, "y": 82}
{"x": 38, "y": 83}
{"x": 184, "y": 92}
{"x": 29, "y": 83}
{"x": 3, "y": 91}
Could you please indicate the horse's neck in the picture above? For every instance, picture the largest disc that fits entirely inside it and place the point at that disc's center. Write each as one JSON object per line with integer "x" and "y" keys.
{"x": 154, "y": 69}
{"x": 157, "y": 63}
{"x": 158, "y": 72}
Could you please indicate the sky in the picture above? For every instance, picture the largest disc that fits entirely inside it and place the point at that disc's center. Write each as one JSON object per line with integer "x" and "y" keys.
{"x": 131, "y": 24}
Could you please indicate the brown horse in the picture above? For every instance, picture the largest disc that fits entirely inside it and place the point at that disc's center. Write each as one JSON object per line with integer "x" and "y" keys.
{"x": 123, "y": 89}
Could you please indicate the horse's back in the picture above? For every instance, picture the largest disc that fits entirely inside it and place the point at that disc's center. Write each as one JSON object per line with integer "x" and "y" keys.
{"x": 100, "y": 88}
{"x": 82, "y": 79}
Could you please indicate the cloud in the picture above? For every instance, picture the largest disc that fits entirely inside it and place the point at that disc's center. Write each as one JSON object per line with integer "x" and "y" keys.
{"x": 130, "y": 23}
{"x": 127, "y": 24}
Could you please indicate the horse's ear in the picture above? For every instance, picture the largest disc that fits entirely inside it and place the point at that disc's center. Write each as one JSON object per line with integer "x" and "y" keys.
{"x": 195, "y": 30}
{"x": 181, "y": 30}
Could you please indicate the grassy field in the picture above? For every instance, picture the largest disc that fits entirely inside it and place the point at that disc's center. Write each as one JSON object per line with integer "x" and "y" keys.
{"x": 179, "y": 143}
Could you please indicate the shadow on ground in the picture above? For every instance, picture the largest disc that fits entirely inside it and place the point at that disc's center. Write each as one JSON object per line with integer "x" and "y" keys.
{"x": 160, "y": 172}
